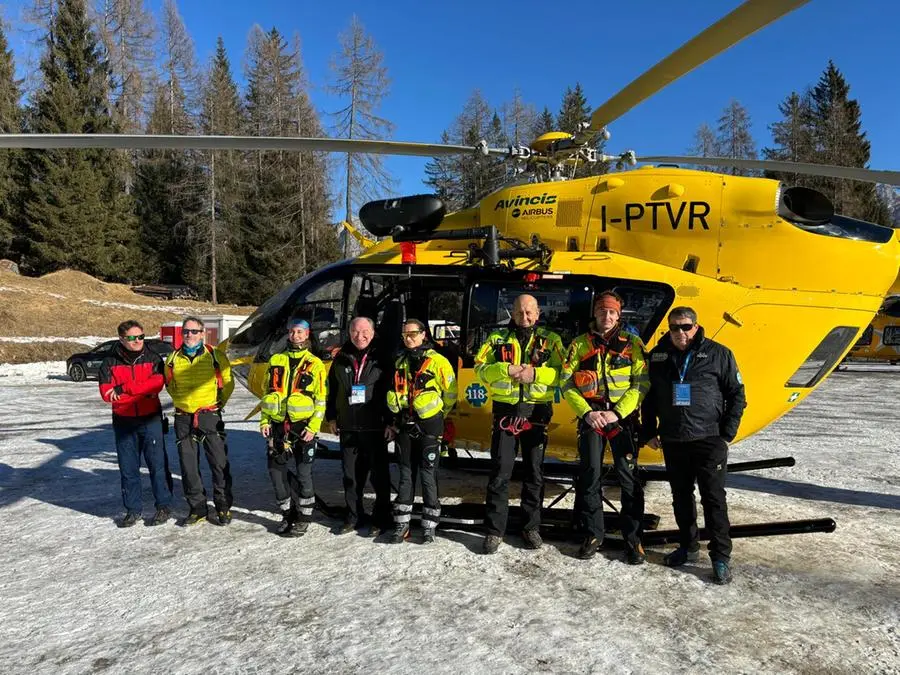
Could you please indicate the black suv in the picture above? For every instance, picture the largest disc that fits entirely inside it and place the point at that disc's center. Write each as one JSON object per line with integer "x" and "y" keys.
{"x": 87, "y": 364}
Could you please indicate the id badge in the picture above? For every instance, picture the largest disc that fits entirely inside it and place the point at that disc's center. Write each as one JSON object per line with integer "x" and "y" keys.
{"x": 358, "y": 394}
{"x": 681, "y": 394}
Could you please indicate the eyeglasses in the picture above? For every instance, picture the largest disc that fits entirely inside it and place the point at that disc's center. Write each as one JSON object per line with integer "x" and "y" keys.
{"x": 683, "y": 327}
{"x": 412, "y": 333}
{"x": 133, "y": 338}
{"x": 192, "y": 331}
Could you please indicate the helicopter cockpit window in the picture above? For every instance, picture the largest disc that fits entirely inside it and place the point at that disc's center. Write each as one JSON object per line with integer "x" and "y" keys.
{"x": 892, "y": 309}
{"x": 565, "y": 309}
{"x": 641, "y": 308}
{"x": 321, "y": 306}
{"x": 823, "y": 357}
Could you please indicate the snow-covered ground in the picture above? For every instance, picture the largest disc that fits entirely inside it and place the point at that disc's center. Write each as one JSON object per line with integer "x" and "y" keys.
{"x": 79, "y": 595}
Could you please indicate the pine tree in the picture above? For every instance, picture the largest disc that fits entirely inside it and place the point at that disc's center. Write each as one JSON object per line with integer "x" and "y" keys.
{"x": 286, "y": 216}
{"x": 735, "y": 139}
{"x": 573, "y": 112}
{"x": 10, "y": 160}
{"x": 705, "y": 145}
{"x": 222, "y": 115}
{"x": 127, "y": 30}
{"x": 464, "y": 179}
{"x": 544, "y": 123}
{"x": 78, "y": 214}
{"x": 793, "y": 137}
{"x": 362, "y": 81}
{"x": 840, "y": 140}
{"x": 520, "y": 120}
{"x": 170, "y": 182}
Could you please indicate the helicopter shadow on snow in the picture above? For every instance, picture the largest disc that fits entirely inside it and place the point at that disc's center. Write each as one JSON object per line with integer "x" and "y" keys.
{"x": 810, "y": 491}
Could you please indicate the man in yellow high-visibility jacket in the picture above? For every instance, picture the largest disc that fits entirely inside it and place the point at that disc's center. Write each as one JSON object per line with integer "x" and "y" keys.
{"x": 198, "y": 378}
{"x": 292, "y": 411}
{"x": 520, "y": 367}
{"x": 604, "y": 380}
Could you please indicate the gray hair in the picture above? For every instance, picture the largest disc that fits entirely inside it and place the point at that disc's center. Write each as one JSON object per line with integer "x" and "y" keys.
{"x": 194, "y": 319}
{"x": 684, "y": 313}
{"x": 362, "y": 318}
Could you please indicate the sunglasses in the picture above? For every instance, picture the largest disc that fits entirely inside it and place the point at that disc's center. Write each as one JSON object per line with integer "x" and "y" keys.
{"x": 412, "y": 333}
{"x": 683, "y": 327}
{"x": 133, "y": 338}
{"x": 192, "y": 331}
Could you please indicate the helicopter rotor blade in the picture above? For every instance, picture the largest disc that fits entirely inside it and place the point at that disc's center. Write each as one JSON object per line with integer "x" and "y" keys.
{"x": 153, "y": 142}
{"x": 729, "y": 30}
{"x": 829, "y": 170}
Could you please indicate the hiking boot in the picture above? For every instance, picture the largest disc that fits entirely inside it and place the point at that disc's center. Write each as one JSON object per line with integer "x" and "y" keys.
{"x": 428, "y": 535}
{"x": 401, "y": 533}
{"x": 634, "y": 555}
{"x": 224, "y": 517}
{"x": 130, "y": 520}
{"x": 348, "y": 527}
{"x": 491, "y": 544}
{"x": 300, "y": 528}
{"x": 375, "y": 531}
{"x": 721, "y": 572}
{"x": 680, "y": 556}
{"x": 589, "y": 547}
{"x": 193, "y": 519}
{"x": 532, "y": 539}
{"x": 161, "y": 516}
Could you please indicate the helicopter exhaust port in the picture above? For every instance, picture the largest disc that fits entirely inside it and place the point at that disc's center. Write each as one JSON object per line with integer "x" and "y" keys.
{"x": 804, "y": 206}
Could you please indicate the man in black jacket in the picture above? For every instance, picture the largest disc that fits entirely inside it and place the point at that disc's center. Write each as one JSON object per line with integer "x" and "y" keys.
{"x": 693, "y": 410}
{"x": 357, "y": 410}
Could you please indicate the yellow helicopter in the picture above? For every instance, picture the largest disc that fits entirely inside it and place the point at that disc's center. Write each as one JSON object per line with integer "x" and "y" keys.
{"x": 772, "y": 271}
{"x": 880, "y": 341}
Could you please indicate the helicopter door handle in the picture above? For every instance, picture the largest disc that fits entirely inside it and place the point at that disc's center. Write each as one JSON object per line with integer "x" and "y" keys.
{"x": 731, "y": 319}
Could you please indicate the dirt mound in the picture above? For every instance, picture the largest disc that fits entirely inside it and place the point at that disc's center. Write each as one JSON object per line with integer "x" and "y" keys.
{"x": 70, "y": 304}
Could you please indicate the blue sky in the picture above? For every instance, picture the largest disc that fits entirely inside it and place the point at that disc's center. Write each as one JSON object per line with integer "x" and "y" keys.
{"x": 437, "y": 53}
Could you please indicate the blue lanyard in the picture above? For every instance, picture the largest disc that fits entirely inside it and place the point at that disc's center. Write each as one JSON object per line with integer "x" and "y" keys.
{"x": 683, "y": 372}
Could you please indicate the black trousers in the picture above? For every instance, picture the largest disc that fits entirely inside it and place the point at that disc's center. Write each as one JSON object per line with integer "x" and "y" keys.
{"x": 294, "y": 491}
{"x": 418, "y": 454}
{"x": 504, "y": 447}
{"x": 364, "y": 454}
{"x": 589, "y": 486}
{"x": 210, "y": 433}
{"x": 706, "y": 462}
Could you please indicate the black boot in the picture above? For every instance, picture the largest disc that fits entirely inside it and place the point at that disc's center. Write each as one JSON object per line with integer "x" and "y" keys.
{"x": 401, "y": 533}
{"x": 589, "y": 547}
{"x": 286, "y": 526}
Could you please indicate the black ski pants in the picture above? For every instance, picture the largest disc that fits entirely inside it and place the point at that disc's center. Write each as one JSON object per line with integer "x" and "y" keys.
{"x": 589, "y": 486}
{"x": 704, "y": 461}
{"x": 294, "y": 491}
{"x": 209, "y": 432}
{"x": 364, "y": 454}
{"x": 418, "y": 454}
{"x": 504, "y": 447}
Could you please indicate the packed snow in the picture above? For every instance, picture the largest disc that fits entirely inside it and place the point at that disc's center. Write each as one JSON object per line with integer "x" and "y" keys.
{"x": 79, "y": 595}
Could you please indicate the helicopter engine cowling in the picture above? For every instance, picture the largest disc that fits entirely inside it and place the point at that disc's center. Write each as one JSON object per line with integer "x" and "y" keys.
{"x": 418, "y": 214}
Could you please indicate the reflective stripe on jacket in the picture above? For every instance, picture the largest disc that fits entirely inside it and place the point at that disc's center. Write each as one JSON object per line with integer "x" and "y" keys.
{"x": 605, "y": 374}
{"x": 428, "y": 392}
{"x": 295, "y": 389}
{"x": 544, "y": 351}
{"x": 200, "y": 383}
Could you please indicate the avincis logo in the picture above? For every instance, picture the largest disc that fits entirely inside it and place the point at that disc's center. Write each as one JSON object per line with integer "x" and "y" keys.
{"x": 525, "y": 200}
{"x": 528, "y": 206}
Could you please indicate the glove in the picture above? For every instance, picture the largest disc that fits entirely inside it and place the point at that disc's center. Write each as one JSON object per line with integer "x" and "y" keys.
{"x": 449, "y": 432}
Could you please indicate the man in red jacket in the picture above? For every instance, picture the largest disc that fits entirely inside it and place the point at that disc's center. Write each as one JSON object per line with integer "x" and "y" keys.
{"x": 131, "y": 379}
